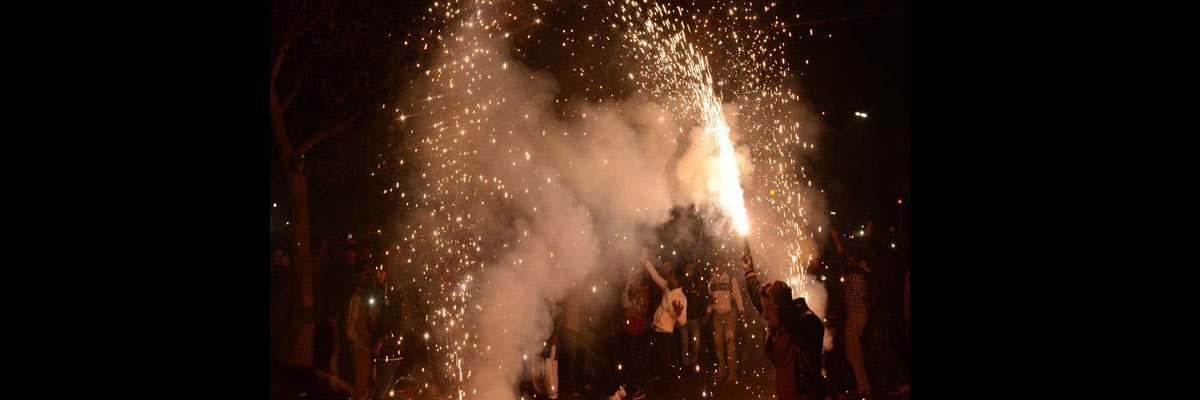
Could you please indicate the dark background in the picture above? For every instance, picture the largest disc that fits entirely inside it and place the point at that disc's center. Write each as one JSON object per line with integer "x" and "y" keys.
{"x": 861, "y": 163}
{"x": 959, "y": 308}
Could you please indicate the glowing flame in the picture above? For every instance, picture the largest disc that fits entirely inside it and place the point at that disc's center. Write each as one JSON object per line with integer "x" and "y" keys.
{"x": 729, "y": 187}
{"x": 675, "y": 69}
{"x": 728, "y": 184}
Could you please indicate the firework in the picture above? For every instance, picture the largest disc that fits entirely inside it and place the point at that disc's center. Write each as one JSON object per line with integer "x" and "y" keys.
{"x": 502, "y": 197}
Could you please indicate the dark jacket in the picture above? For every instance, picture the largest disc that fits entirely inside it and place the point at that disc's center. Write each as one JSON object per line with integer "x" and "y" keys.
{"x": 697, "y": 295}
{"x": 795, "y": 348}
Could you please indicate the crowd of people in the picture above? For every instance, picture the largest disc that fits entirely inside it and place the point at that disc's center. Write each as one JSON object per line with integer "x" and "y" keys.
{"x": 662, "y": 324}
{"x": 363, "y": 320}
{"x": 666, "y": 310}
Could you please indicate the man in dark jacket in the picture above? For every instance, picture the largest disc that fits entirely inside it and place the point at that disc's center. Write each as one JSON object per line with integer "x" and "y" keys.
{"x": 794, "y": 338}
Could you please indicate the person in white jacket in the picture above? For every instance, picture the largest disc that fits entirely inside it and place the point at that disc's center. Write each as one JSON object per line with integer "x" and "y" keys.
{"x": 725, "y": 292}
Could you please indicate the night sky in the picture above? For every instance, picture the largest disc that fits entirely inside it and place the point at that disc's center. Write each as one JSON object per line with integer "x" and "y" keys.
{"x": 861, "y": 163}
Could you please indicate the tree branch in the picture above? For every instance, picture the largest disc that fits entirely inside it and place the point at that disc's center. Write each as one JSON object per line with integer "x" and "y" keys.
{"x": 290, "y": 36}
{"x": 283, "y": 48}
{"x": 283, "y": 145}
{"x": 296, "y": 83}
{"x": 313, "y": 21}
{"x": 329, "y": 129}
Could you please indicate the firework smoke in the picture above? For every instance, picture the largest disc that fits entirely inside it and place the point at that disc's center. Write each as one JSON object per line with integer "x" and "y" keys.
{"x": 526, "y": 192}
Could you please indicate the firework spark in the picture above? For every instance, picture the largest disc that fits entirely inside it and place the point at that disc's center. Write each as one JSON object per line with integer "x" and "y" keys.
{"x": 529, "y": 184}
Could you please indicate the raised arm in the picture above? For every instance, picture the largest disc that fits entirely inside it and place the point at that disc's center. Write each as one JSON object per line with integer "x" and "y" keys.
{"x": 662, "y": 283}
{"x": 752, "y": 283}
{"x": 837, "y": 242}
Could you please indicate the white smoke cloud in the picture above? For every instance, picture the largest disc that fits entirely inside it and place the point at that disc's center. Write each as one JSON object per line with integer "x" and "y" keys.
{"x": 552, "y": 199}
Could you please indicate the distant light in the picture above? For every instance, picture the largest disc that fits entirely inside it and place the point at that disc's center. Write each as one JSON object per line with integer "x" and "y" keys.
{"x": 899, "y": 201}
{"x": 893, "y": 245}
{"x": 860, "y": 114}
{"x": 273, "y": 205}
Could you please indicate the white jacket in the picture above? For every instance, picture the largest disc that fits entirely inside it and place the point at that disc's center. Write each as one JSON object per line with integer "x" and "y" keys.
{"x": 723, "y": 287}
{"x": 665, "y": 318}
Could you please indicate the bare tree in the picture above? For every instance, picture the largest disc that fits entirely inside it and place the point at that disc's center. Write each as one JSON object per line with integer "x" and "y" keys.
{"x": 336, "y": 63}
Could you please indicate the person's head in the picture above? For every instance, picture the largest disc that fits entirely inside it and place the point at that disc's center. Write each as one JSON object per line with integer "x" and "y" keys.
{"x": 855, "y": 250}
{"x": 351, "y": 257}
{"x": 689, "y": 268}
{"x": 774, "y": 295}
{"x": 279, "y": 258}
{"x": 673, "y": 279}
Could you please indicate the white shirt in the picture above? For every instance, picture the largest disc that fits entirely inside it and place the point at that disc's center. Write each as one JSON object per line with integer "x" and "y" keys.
{"x": 665, "y": 318}
{"x": 723, "y": 287}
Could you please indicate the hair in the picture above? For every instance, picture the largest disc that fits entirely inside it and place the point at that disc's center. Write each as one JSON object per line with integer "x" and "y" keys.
{"x": 783, "y": 293}
{"x": 676, "y": 274}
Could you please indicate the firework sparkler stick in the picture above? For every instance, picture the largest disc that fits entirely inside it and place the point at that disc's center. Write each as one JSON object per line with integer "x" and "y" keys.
{"x": 746, "y": 250}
